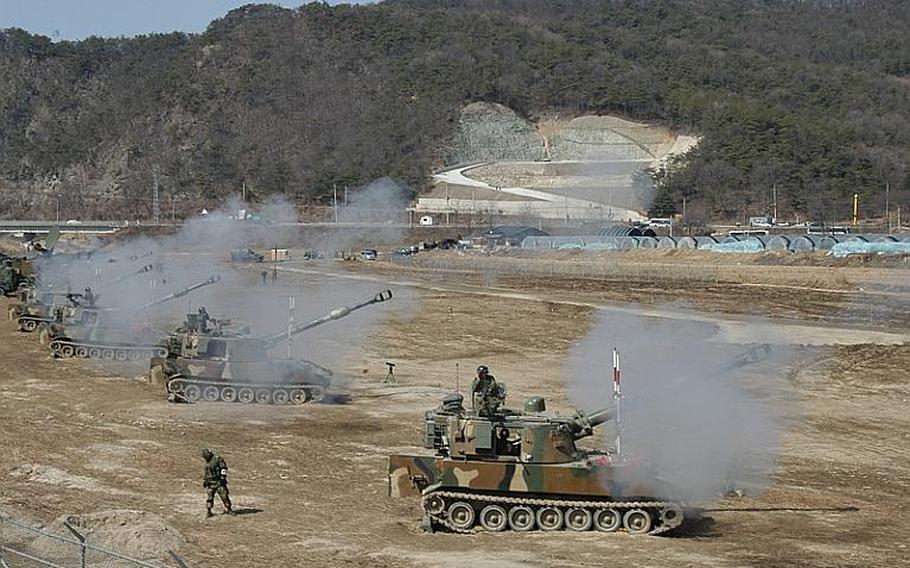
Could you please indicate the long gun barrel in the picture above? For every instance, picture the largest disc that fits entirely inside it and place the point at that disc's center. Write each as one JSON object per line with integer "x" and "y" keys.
{"x": 335, "y": 314}
{"x": 582, "y": 425}
{"x": 751, "y": 356}
{"x": 119, "y": 279}
{"x": 214, "y": 279}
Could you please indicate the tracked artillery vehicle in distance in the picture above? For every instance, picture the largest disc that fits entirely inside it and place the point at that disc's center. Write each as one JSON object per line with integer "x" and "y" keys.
{"x": 522, "y": 470}
{"x": 81, "y": 331}
{"x": 208, "y": 361}
{"x": 36, "y": 307}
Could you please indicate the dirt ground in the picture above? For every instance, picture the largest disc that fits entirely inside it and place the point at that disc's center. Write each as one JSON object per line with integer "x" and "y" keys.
{"x": 311, "y": 480}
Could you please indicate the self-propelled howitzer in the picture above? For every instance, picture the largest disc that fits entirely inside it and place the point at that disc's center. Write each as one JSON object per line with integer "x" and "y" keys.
{"x": 81, "y": 331}
{"x": 36, "y": 308}
{"x": 211, "y": 361}
{"x": 522, "y": 470}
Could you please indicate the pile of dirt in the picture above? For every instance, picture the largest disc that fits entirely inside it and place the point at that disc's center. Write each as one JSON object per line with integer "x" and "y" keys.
{"x": 137, "y": 534}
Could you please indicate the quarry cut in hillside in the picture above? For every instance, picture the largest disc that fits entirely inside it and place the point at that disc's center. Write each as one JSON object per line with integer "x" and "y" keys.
{"x": 591, "y": 167}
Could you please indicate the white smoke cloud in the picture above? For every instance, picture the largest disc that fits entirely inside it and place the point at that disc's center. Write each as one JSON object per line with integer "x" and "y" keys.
{"x": 707, "y": 434}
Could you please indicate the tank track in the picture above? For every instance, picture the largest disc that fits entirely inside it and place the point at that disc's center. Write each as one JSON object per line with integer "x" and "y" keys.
{"x": 664, "y": 515}
{"x": 201, "y": 390}
{"x": 107, "y": 351}
{"x": 29, "y": 324}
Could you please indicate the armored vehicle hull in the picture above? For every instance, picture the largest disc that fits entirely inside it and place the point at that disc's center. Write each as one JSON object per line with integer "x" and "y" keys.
{"x": 80, "y": 331}
{"x": 208, "y": 362}
{"x": 590, "y": 494}
{"x": 496, "y": 469}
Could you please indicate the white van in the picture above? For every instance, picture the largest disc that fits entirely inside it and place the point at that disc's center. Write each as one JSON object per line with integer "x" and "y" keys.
{"x": 426, "y": 221}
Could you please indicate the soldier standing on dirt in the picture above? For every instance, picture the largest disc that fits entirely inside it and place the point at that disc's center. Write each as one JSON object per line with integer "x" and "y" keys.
{"x": 485, "y": 393}
{"x": 215, "y": 481}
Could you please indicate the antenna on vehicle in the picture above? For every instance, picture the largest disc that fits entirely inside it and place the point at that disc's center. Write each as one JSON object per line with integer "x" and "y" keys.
{"x": 457, "y": 381}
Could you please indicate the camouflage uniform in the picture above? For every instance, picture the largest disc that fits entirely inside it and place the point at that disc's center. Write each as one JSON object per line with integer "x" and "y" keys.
{"x": 485, "y": 393}
{"x": 215, "y": 481}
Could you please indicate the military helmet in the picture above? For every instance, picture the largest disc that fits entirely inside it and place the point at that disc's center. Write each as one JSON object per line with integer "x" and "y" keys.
{"x": 207, "y": 453}
{"x": 482, "y": 370}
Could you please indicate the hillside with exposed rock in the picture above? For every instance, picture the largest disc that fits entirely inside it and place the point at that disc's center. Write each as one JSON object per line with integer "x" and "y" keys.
{"x": 807, "y": 97}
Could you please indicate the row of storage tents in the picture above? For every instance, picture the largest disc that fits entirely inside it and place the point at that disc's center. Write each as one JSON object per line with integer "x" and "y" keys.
{"x": 745, "y": 243}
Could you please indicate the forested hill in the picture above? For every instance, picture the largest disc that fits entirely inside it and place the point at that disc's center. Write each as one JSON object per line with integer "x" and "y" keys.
{"x": 811, "y": 97}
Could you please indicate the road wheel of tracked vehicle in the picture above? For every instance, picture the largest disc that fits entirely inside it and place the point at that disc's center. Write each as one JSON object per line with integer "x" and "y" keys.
{"x": 94, "y": 353}
{"x": 636, "y": 521}
{"x": 192, "y": 393}
{"x": 134, "y": 354}
{"x": 29, "y": 325}
{"x": 521, "y": 518}
{"x": 263, "y": 396}
{"x": 280, "y": 396}
{"x": 607, "y": 520}
{"x": 82, "y": 351}
{"x": 461, "y": 515}
{"x": 671, "y": 516}
{"x": 67, "y": 351}
{"x": 246, "y": 396}
{"x": 107, "y": 354}
{"x": 434, "y": 505}
{"x": 161, "y": 353}
{"x": 549, "y": 518}
{"x": 228, "y": 394}
{"x": 493, "y": 518}
{"x": 121, "y": 355}
{"x": 579, "y": 519}
{"x": 299, "y": 396}
{"x": 176, "y": 386}
{"x": 210, "y": 394}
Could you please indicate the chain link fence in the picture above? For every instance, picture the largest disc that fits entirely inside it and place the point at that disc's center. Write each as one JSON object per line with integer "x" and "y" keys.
{"x": 25, "y": 546}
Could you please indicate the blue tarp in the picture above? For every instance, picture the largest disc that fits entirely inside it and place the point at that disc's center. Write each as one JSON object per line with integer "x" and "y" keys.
{"x": 748, "y": 245}
{"x": 861, "y": 247}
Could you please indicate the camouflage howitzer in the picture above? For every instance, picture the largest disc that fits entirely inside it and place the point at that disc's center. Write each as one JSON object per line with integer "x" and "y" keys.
{"x": 37, "y": 308}
{"x": 209, "y": 362}
{"x": 522, "y": 470}
{"x": 14, "y": 273}
{"x": 79, "y": 331}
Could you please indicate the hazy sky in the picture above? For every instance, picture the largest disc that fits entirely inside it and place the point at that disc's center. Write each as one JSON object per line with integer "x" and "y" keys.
{"x": 77, "y": 19}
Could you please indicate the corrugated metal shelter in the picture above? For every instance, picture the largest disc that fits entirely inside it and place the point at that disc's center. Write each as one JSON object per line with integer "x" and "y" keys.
{"x": 627, "y": 231}
{"x": 510, "y": 234}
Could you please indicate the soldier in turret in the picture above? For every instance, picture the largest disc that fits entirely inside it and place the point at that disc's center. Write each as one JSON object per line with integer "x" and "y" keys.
{"x": 486, "y": 394}
{"x": 215, "y": 481}
{"x": 88, "y": 297}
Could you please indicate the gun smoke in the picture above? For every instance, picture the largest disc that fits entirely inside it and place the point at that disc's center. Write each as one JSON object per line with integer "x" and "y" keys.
{"x": 126, "y": 275}
{"x": 707, "y": 434}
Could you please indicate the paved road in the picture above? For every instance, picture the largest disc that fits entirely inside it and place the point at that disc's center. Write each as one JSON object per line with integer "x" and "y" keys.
{"x": 457, "y": 177}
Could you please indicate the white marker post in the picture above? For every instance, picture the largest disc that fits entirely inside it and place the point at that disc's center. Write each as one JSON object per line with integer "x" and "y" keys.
{"x": 291, "y": 305}
{"x": 617, "y": 399}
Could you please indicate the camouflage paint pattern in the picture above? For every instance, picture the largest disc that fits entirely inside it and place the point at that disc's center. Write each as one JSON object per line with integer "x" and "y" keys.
{"x": 593, "y": 477}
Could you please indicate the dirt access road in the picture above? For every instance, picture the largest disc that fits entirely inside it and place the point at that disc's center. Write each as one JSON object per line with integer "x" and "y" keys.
{"x": 80, "y": 439}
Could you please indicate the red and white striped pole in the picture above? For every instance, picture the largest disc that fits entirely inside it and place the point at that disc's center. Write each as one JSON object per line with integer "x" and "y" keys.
{"x": 617, "y": 399}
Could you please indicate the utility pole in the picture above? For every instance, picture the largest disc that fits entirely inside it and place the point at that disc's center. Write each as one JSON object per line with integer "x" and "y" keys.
{"x": 57, "y": 216}
{"x": 888, "y": 204}
{"x": 335, "y": 200}
{"x": 173, "y": 209}
{"x": 243, "y": 192}
{"x": 855, "y": 208}
{"x": 774, "y": 192}
{"x": 156, "y": 210}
